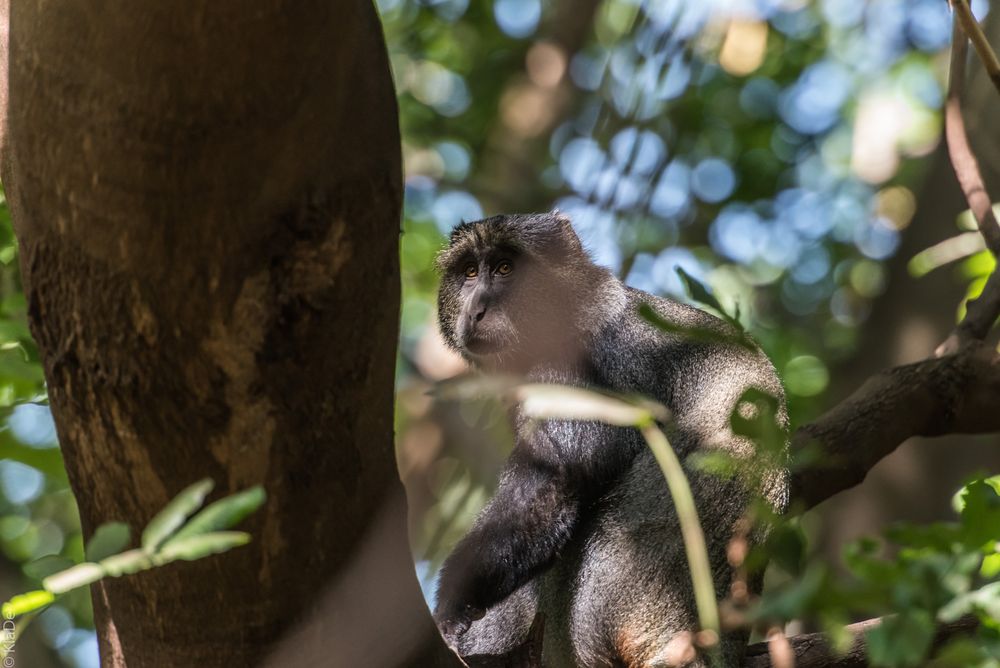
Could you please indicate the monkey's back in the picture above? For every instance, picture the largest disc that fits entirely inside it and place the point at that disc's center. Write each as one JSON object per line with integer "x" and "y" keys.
{"x": 623, "y": 589}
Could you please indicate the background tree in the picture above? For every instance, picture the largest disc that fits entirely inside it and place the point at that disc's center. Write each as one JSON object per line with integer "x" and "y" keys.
{"x": 785, "y": 152}
{"x": 206, "y": 205}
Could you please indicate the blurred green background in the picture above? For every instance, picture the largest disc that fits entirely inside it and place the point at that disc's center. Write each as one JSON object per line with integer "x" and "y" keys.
{"x": 787, "y": 153}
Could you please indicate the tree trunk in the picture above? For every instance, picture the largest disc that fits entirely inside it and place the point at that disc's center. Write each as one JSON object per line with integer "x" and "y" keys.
{"x": 207, "y": 200}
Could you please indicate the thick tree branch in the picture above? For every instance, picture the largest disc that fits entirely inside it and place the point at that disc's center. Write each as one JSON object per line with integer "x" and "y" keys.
{"x": 813, "y": 650}
{"x": 954, "y": 394}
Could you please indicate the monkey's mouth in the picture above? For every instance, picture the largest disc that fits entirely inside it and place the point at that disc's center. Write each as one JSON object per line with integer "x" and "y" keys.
{"x": 485, "y": 344}
{"x": 480, "y": 346}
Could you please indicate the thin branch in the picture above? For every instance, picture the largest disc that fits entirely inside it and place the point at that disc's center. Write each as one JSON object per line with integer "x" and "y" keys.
{"x": 954, "y": 394}
{"x": 813, "y": 650}
{"x": 962, "y": 158}
{"x": 971, "y": 27}
{"x": 980, "y": 313}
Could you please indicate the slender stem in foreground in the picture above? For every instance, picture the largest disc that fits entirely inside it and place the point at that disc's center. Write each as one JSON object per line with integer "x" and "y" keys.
{"x": 694, "y": 538}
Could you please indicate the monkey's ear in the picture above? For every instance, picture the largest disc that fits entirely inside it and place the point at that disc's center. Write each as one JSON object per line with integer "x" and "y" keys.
{"x": 568, "y": 233}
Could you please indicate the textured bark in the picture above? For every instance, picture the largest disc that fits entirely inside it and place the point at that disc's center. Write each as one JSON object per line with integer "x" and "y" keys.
{"x": 957, "y": 394}
{"x": 207, "y": 199}
{"x": 813, "y": 650}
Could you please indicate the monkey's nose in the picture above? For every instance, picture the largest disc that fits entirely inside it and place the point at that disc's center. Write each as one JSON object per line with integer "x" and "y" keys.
{"x": 481, "y": 314}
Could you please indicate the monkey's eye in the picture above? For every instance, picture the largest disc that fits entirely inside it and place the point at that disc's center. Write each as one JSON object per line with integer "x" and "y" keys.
{"x": 471, "y": 271}
{"x": 504, "y": 268}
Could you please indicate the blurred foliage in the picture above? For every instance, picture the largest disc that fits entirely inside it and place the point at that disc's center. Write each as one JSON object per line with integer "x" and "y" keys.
{"x": 171, "y": 535}
{"x": 772, "y": 150}
{"x": 918, "y": 575}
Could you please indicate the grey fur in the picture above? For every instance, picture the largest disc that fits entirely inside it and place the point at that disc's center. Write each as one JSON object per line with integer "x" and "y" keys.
{"x": 619, "y": 588}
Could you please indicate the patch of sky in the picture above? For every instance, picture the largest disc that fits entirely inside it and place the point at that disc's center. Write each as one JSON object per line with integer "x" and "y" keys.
{"x": 798, "y": 23}
{"x": 580, "y": 163}
{"x": 737, "y": 233}
{"x": 842, "y": 13}
{"x": 451, "y": 208}
{"x": 456, "y": 159}
{"x": 19, "y": 482}
{"x": 812, "y": 104}
{"x": 32, "y": 425}
{"x": 597, "y": 230}
{"x": 713, "y": 180}
{"x": 878, "y": 240}
{"x": 664, "y": 270}
{"x": 586, "y": 69}
{"x": 517, "y": 18}
{"x": 642, "y": 151}
{"x": 813, "y": 265}
{"x": 672, "y": 195}
{"x": 928, "y": 24}
{"x": 419, "y": 192}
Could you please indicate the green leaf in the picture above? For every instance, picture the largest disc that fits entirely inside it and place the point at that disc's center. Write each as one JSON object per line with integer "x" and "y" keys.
{"x": 787, "y": 546}
{"x": 202, "y": 545}
{"x": 127, "y": 563}
{"x": 985, "y": 600}
{"x": 980, "y": 512}
{"x": 168, "y": 520}
{"x": 224, "y": 513}
{"x": 795, "y": 599}
{"x": 991, "y": 565}
{"x": 40, "y": 569}
{"x": 958, "y": 500}
{"x": 24, "y": 603}
{"x": 71, "y": 578}
{"x": 901, "y": 640}
{"x": 108, "y": 539}
{"x": 693, "y": 333}
{"x": 699, "y": 292}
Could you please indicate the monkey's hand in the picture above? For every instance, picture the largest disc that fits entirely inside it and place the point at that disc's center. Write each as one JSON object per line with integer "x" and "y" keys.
{"x": 455, "y": 623}
{"x": 457, "y": 605}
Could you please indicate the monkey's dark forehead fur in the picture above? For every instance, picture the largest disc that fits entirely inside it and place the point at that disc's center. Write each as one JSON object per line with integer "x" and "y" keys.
{"x": 523, "y": 232}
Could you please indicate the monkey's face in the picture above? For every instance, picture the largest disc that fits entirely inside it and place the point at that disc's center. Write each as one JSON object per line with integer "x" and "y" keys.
{"x": 506, "y": 299}
{"x": 479, "y": 295}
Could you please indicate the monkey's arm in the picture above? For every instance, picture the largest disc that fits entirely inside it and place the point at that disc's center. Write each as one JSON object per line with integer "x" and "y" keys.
{"x": 550, "y": 474}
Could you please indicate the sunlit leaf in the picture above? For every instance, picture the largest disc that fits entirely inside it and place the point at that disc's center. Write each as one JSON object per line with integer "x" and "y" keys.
{"x": 202, "y": 545}
{"x": 701, "y": 294}
{"x": 77, "y": 576}
{"x": 223, "y": 514}
{"x": 27, "y": 602}
{"x": 168, "y": 520}
{"x": 127, "y": 563}
{"x": 560, "y": 402}
{"x": 901, "y": 640}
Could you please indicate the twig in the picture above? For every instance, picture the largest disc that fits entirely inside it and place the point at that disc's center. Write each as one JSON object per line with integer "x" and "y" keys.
{"x": 694, "y": 538}
{"x": 980, "y": 313}
{"x": 963, "y": 13}
{"x": 962, "y": 158}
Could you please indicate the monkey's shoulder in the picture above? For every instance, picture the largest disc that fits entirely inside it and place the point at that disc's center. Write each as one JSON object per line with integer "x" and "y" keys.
{"x": 681, "y": 350}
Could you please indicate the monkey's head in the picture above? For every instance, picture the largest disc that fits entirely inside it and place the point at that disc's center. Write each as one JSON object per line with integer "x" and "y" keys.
{"x": 511, "y": 289}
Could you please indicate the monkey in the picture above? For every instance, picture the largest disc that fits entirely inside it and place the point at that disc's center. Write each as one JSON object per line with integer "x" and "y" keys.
{"x": 581, "y": 532}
